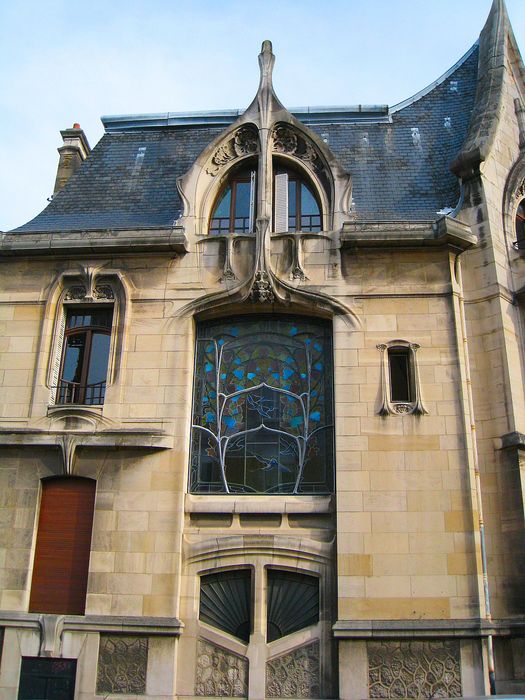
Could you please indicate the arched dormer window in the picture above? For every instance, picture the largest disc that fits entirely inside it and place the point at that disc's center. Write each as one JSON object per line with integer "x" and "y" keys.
{"x": 520, "y": 225}
{"x": 295, "y": 205}
{"x": 234, "y": 210}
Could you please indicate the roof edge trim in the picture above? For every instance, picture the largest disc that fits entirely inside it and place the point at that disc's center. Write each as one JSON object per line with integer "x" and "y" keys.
{"x": 307, "y": 115}
{"x": 410, "y": 100}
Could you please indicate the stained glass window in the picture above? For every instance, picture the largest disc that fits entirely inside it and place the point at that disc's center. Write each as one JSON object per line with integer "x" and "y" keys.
{"x": 263, "y": 407}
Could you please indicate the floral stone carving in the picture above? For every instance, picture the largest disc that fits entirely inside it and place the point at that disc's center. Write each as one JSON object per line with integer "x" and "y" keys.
{"x": 286, "y": 140}
{"x": 294, "y": 675}
{"x": 122, "y": 665}
{"x": 220, "y": 673}
{"x": 243, "y": 143}
{"x": 414, "y": 669}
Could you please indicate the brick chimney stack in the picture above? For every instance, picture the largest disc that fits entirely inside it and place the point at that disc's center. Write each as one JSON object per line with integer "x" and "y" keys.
{"x": 74, "y": 151}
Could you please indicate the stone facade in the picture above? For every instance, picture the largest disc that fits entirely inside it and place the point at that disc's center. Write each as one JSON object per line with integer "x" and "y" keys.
{"x": 407, "y": 559}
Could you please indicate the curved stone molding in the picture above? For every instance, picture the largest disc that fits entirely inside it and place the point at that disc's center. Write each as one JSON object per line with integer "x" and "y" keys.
{"x": 122, "y": 665}
{"x": 220, "y": 673}
{"x": 414, "y": 669}
{"x": 295, "y": 674}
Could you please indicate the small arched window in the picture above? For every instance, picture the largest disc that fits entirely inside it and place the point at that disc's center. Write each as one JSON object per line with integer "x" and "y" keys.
{"x": 234, "y": 210}
{"x": 520, "y": 225}
{"x": 295, "y": 206}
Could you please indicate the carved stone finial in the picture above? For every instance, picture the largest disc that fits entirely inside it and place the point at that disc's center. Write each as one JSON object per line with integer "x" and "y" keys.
{"x": 266, "y": 63}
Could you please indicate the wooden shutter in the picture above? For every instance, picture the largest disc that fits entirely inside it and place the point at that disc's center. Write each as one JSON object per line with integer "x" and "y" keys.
{"x": 63, "y": 546}
{"x": 57, "y": 359}
{"x": 281, "y": 203}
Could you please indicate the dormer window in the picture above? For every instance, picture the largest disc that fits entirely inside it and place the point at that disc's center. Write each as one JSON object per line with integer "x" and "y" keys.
{"x": 295, "y": 206}
{"x": 234, "y": 211}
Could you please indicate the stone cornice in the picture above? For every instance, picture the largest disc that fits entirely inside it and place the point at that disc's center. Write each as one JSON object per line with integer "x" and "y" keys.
{"x": 153, "y": 626}
{"x": 114, "y": 438}
{"x": 421, "y": 629}
{"x": 104, "y": 241}
{"x": 402, "y": 234}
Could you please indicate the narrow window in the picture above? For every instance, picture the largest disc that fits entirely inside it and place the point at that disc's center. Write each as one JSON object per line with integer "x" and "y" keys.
{"x": 520, "y": 225}
{"x": 63, "y": 546}
{"x": 234, "y": 210}
{"x": 225, "y": 602}
{"x": 85, "y": 356}
{"x": 295, "y": 206}
{"x": 401, "y": 379}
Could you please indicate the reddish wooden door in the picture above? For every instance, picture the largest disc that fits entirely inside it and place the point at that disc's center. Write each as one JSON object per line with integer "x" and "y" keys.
{"x": 63, "y": 546}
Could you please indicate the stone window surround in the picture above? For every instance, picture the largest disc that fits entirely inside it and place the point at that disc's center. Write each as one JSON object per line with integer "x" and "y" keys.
{"x": 389, "y": 406}
{"x": 105, "y": 287}
{"x": 259, "y": 552}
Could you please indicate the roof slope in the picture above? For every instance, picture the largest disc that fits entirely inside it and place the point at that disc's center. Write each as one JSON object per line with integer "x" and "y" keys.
{"x": 400, "y": 164}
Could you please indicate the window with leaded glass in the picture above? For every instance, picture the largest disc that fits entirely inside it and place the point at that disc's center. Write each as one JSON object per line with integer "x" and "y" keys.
{"x": 263, "y": 407}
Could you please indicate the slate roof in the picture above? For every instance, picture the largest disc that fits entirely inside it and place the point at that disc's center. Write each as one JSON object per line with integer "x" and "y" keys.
{"x": 398, "y": 174}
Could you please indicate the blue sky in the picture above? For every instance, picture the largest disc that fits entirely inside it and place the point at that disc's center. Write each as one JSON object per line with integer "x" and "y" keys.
{"x": 64, "y": 62}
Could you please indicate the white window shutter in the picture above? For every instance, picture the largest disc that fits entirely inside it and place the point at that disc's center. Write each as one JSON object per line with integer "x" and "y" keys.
{"x": 252, "y": 202}
{"x": 281, "y": 203}
{"x": 57, "y": 359}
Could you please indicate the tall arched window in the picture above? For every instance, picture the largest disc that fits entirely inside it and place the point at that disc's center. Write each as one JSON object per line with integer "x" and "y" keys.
{"x": 234, "y": 210}
{"x": 295, "y": 205}
{"x": 263, "y": 414}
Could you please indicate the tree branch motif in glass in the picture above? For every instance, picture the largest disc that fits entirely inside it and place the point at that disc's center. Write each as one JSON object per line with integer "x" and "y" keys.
{"x": 263, "y": 407}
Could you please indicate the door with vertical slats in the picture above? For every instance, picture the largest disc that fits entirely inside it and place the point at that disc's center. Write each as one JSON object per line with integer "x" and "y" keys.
{"x": 63, "y": 546}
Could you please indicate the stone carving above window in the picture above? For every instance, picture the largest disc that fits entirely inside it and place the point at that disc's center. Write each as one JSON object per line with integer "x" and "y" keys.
{"x": 414, "y": 669}
{"x": 286, "y": 140}
{"x": 294, "y": 675}
{"x": 220, "y": 673}
{"x": 122, "y": 664}
{"x": 79, "y": 293}
{"x": 243, "y": 143}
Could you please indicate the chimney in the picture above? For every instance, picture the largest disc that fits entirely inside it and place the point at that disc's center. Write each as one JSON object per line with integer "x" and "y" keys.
{"x": 74, "y": 151}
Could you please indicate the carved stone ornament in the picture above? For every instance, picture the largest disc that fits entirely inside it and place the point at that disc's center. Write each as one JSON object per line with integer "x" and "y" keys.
{"x": 294, "y": 675}
{"x": 243, "y": 143}
{"x": 220, "y": 673}
{"x": 262, "y": 291}
{"x": 414, "y": 669}
{"x": 284, "y": 140}
{"x": 287, "y": 140}
{"x": 520, "y": 192}
{"x": 79, "y": 293}
{"x": 402, "y": 408}
{"x": 122, "y": 664}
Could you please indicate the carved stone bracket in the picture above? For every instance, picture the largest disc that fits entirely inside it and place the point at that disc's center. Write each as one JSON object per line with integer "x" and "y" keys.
{"x": 68, "y": 446}
{"x": 262, "y": 291}
{"x": 244, "y": 142}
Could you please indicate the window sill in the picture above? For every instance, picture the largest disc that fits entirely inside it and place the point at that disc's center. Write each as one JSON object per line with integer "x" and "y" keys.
{"x": 215, "y": 503}
{"x": 75, "y": 409}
